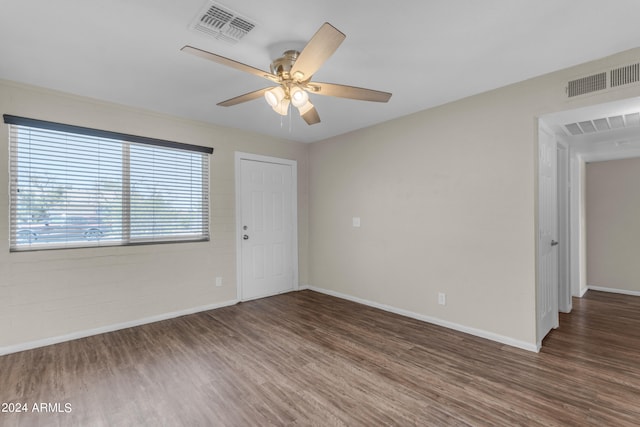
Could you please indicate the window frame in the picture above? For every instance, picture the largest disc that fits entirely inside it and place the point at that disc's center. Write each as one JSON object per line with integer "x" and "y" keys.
{"x": 125, "y": 192}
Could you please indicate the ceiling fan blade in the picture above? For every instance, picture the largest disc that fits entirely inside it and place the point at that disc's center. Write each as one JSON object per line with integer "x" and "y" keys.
{"x": 229, "y": 62}
{"x": 311, "y": 116}
{"x": 244, "y": 98}
{"x": 321, "y": 46}
{"x": 351, "y": 92}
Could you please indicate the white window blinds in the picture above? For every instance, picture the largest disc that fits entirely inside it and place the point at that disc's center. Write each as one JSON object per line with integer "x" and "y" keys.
{"x": 77, "y": 187}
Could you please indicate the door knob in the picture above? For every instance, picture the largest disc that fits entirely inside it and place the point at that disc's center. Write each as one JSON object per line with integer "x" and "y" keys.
{"x": 554, "y": 243}
{"x": 245, "y": 237}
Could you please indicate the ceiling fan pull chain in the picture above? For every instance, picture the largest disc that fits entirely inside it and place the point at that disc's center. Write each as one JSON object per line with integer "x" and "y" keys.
{"x": 289, "y": 115}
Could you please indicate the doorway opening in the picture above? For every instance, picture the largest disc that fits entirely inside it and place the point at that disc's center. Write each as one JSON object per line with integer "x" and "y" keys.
{"x": 596, "y": 133}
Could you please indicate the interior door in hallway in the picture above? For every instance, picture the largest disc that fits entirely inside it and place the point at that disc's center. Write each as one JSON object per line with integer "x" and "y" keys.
{"x": 547, "y": 282}
{"x": 267, "y": 237}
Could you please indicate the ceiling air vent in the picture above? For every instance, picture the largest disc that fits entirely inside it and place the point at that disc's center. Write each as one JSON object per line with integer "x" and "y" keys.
{"x": 574, "y": 129}
{"x": 625, "y": 75}
{"x": 587, "y": 84}
{"x": 222, "y": 23}
{"x": 616, "y": 122}
{"x": 604, "y": 124}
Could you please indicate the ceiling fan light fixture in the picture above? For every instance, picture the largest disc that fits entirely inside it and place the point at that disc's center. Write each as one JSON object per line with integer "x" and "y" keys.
{"x": 274, "y": 96}
{"x": 282, "y": 107}
{"x": 304, "y": 109}
{"x": 299, "y": 97}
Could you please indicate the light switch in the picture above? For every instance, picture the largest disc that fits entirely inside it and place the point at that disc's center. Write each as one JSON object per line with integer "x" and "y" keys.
{"x": 356, "y": 221}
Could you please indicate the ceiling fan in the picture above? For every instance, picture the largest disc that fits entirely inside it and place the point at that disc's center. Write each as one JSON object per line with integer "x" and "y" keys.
{"x": 292, "y": 73}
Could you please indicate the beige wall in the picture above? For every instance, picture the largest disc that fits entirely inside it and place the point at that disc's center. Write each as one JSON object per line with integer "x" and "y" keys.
{"x": 447, "y": 203}
{"x": 447, "y": 199}
{"x": 52, "y": 293}
{"x": 613, "y": 224}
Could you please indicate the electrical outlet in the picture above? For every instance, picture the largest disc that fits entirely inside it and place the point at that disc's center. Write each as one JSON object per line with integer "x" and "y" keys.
{"x": 218, "y": 281}
{"x": 442, "y": 298}
{"x": 355, "y": 221}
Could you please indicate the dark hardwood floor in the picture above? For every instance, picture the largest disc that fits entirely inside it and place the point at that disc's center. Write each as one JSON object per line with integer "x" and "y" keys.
{"x": 309, "y": 359}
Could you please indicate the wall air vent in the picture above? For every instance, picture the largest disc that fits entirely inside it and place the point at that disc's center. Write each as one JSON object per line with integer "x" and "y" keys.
{"x": 587, "y": 84}
{"x": 222, "y": 23}
{"x": 606, "y": 80}
{"x": 625, "y": 75}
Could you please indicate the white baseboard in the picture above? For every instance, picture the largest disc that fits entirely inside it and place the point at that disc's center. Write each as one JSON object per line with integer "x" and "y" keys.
{"x": 110, "y": 328}
{"x": 614, "y": 291}
{"x": 471, "y": 331}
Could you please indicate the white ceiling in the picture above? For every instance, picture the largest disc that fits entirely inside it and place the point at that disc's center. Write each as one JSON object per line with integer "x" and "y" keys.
{"x": 425, "y": 52}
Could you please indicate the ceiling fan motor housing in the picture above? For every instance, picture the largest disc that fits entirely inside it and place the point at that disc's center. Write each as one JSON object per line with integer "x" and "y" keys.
{"x": 282, "y": 66}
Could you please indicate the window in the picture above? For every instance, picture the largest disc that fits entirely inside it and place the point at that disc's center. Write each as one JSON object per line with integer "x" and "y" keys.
{"x": 77, "y": 187}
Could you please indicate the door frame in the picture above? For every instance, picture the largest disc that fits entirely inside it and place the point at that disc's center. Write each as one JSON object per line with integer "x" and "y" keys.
{"x": 239, "y": 157}
{"x": 542, "y": 126}
{"x": 564, "y": 224}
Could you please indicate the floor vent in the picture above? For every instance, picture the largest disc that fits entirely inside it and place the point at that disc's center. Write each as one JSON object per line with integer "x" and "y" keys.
{"x": 625, "y": 75}
{"x": 222, "y": 23}
{"x": 587, "y": 84}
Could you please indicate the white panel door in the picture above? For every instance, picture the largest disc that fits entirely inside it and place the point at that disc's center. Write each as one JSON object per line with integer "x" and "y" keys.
{"x": 267, "y": 229}
{"x": 547, "y": 286}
